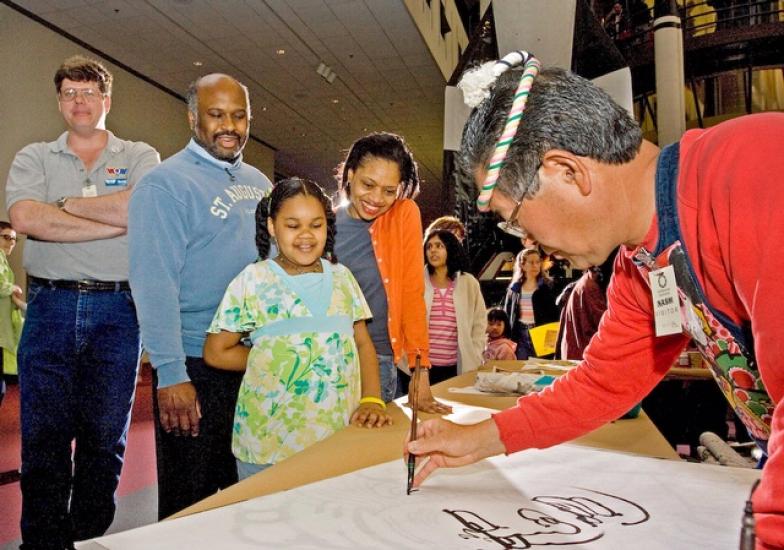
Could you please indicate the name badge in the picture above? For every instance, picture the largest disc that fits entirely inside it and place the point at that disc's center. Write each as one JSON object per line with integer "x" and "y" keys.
{"x": 666, "y": 307}
{"x": 117, "y": 177}
{"x": 89, "y": 190}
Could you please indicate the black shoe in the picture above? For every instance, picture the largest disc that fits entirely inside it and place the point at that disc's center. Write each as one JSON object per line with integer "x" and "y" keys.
{"x": 11, "y": 476}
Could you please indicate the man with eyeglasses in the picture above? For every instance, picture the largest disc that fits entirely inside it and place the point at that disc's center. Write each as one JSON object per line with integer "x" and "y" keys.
{"x": 699, "y": 224}
{"x": 79, "y": 349}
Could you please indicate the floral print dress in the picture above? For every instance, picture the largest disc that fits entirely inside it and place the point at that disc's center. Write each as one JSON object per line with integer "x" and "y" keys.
{"x": 302, "y": 381}
{"x": 10, "y": 318}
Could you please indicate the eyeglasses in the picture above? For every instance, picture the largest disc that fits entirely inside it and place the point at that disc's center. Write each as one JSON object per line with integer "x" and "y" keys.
{"x": 9, "y": 237}
{"x": 88, "y": 94}
{"x": 510, "y": 226}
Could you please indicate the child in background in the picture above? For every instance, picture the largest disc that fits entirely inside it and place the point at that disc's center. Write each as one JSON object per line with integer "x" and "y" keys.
{"x": 11, "y": 305}
{"x": 499, "y": 345}
{"x": 312, "y": 357}
{"x": 455, "y": 308}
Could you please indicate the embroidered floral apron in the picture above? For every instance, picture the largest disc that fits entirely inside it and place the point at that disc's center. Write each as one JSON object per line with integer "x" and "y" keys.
{"x": 727, "y": 347}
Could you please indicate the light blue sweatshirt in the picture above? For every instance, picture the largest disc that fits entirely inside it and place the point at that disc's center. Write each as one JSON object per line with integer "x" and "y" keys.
{"x": 191, "y": 230}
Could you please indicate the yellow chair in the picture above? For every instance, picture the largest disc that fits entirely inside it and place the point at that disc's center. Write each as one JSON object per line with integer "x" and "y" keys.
{"x": 544, "y": 338}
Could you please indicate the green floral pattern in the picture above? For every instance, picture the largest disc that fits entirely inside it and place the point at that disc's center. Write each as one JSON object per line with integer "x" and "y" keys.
{"x": 298, "y": 388}
{"x": 10, "y": 318}
{"x": 6, "y": 277}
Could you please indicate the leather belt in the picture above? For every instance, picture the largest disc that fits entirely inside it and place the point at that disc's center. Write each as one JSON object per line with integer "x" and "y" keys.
{"x": 86, "y": 285}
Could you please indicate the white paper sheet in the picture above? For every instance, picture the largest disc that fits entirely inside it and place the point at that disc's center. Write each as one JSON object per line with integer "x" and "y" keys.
{"x": 566, "y": 495}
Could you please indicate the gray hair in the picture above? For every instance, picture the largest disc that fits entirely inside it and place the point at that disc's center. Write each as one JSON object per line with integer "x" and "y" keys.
{"x": 192, "y": 96}
{"x": 564, "y": 111}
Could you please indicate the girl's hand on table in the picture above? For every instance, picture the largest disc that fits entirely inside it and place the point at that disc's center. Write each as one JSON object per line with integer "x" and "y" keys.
{"x": 370, "y": 415}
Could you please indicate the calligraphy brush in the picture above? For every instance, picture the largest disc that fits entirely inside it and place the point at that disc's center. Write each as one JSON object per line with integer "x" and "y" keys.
{"x": 413, "y": 397}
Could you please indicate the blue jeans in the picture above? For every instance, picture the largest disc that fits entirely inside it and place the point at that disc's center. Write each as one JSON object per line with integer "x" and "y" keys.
{"x": 388, "y": 372}
{"x": 78, "y": 359}
{"x": 246, "y": 469}
{"x": 525, "y": 348}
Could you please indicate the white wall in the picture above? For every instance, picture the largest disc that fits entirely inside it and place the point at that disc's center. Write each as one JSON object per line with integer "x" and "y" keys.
{"x": 29, "y": 56}
{"x": 445, "y": 50}
{"x": 543, "y": 27}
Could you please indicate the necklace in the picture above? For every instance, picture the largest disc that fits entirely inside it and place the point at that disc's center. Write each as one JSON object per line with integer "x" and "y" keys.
{"x": 290, "y": 266}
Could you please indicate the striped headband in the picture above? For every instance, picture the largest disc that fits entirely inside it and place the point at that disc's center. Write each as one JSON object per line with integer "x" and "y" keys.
{"x": 532, "y": 67}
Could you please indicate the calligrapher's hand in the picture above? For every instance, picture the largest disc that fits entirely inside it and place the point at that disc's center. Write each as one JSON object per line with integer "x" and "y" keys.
{"x": 425, "y": 400}
{"x": 370, "y": 415}
{"x": 179, "y": 409}
{"x": 444, "y": 444}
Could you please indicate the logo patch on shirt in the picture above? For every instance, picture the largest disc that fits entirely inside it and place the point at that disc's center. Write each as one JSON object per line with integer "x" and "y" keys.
{"x": 118, "y": 176}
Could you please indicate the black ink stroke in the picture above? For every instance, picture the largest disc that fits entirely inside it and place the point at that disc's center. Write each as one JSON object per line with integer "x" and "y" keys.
{"x": 645, "y": 515}
{"x": 572, "y": 520}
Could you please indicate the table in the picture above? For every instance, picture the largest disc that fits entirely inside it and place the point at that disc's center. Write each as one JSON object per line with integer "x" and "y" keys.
{"x": 355, "y": 448}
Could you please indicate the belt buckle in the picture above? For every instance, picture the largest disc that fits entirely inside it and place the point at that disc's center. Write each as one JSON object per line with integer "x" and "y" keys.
{"x": 89, "y": 285}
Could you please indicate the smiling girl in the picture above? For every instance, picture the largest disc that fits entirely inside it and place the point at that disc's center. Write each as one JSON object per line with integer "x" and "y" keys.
{"x": 312, "y": 368}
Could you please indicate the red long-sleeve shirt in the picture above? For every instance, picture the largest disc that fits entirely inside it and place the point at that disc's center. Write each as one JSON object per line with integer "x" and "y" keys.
{"x": 730, "y": 202}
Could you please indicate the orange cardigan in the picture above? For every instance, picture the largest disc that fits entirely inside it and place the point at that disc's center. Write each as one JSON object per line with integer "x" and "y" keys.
{"x": 397, "y": 244}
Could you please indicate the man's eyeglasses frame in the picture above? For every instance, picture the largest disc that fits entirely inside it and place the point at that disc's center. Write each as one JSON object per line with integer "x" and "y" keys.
{"x": 89, "y": 95}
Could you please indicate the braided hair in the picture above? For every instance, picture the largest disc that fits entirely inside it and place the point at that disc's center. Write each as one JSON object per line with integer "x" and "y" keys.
{"x": 387, "y": 146}
{"x": 270, "y": 205}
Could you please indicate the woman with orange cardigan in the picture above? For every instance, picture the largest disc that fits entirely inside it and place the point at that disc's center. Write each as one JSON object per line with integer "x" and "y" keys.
{"x": 379, "y": 238}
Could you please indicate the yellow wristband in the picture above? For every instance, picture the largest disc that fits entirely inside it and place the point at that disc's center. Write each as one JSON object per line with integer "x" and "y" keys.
{"x": 375, "y": 400}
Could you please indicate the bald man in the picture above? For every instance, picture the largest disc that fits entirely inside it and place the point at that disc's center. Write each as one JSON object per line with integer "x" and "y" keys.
{"x": 192, "y": 229}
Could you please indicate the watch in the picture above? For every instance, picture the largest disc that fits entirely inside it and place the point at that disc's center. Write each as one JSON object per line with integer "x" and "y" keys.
{"x": 61, "y": 203}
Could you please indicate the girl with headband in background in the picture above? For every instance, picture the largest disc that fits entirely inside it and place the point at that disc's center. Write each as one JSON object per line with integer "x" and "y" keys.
{"x": 312, "y": 368}
{"x": 379, "y": 238}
